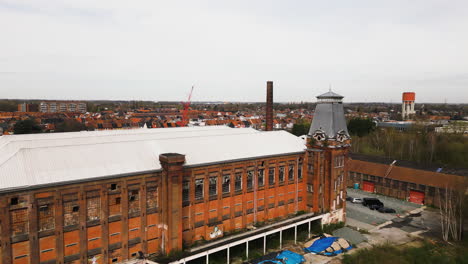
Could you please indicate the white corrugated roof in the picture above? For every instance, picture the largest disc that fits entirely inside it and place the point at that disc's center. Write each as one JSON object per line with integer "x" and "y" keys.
{"x": 39, "y": 159}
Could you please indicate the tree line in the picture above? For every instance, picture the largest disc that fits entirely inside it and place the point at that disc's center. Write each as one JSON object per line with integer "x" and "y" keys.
{"x": 420, "y": 144}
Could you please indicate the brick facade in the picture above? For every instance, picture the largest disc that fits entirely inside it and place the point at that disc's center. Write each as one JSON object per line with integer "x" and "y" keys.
{"x": 113, "y": 219}
{"x": 398, "y": 181}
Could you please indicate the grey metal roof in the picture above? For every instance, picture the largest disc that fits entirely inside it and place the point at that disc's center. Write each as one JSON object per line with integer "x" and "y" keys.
{"x": 329, "y": 117}
{"x": 44, "y": 159}
{"x": 330, "y": 94}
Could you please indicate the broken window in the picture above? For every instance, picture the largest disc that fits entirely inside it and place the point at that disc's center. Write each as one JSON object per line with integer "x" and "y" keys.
{"x": 281, "y": 174}
{"x": 226, "y": 183}
{"x": 151, "y": 195}
{"x": 250, "y": 175}
{"x": 199, "y": 189}
{"x": 133, "y": 199}
{"x": 238, "y": 182}
{"x": 261, "y": 177}
{"x": 93, "y": 206}
{"x": 46, "y": 214}
{"x": 291, "y": 173}
{"x": 71, "y": 209}
{"x": 113, "y": 187}
{"x": 115, "y": 207}
{"x": 185, "y": 191}
{"x": 14, "y": 201}
{"x": 271, "y": 176}
{"x": 213, "y": 187}
{"x": 19, "y": 221}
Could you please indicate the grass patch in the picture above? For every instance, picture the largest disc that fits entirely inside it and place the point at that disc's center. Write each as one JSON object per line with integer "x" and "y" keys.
{"x": 329, "y": 228}
{"x": 425, "y": 253}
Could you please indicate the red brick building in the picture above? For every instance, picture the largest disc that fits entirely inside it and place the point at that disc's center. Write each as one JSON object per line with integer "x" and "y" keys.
{"x": 71, "y": 197}
{"x": 420, "y": 186}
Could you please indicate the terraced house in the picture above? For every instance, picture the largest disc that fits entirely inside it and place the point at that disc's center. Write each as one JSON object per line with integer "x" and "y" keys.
{"x": 106, "y": 195}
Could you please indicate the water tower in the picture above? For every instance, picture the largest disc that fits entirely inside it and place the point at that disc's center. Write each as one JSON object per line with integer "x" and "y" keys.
{"x": 408, "y": 105}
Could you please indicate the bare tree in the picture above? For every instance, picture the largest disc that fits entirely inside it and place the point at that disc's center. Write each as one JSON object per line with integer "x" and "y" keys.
{"x": 451, "y": 209}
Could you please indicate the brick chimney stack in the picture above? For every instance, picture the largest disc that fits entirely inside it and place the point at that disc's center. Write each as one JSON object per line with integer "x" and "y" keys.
{"x": 269, "y": 107}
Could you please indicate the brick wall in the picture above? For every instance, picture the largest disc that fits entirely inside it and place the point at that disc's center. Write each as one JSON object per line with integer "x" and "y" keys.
{"x": 113, "y": 219}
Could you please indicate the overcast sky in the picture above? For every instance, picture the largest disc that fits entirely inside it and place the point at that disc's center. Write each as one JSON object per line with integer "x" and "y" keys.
{"x": 156, "y": 50}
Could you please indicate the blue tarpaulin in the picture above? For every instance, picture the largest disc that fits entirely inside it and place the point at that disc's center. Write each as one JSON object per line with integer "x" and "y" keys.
{"x": 290, "y": 257}
{"x": 285, "y": 257}
{"x": 320, "y": 246}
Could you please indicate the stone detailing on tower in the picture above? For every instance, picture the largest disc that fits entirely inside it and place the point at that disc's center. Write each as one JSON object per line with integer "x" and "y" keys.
{"x": 329, "y": 122}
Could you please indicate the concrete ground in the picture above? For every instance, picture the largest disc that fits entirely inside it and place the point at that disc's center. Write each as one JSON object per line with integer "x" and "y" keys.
{"x": 363, "y": 214}
{"x": 410, "y": 222}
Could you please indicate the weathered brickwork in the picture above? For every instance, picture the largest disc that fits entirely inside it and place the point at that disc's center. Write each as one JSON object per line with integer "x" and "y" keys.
{"x": 113, "y": 219}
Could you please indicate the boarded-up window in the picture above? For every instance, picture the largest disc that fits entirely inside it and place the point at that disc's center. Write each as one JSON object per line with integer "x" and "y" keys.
{"x": 133, "y": 199}
{"x": 93, "y": 206}
{"x": 151, "y": 195}
{"x": 115, "y": 206}
{"x": 71, "y": 209}
{"x": 19, "y": 221}
{"x": 46, "y": 214}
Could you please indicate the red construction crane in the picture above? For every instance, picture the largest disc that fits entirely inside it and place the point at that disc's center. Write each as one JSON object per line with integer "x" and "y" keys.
{"x": 186, "y": 106}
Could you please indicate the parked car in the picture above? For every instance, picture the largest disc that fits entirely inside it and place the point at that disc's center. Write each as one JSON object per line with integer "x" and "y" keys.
{"x": 356, "y": 200}
{"x": 372, "y": 203}
{"x": 386, "y": 210}
{"x": 349, "y": 198}
{"x": 375, "y": 206}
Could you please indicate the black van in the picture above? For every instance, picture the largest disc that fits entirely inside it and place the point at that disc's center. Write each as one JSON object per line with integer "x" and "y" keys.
{"x": 372, "y": 203}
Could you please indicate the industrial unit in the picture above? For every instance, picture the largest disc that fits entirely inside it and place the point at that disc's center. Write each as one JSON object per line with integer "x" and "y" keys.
{"x": 106, "y": 195}
{"x": 411, "y": 184}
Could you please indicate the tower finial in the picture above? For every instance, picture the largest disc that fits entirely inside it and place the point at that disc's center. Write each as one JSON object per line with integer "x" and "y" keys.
{"x": 329, "y": 87}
